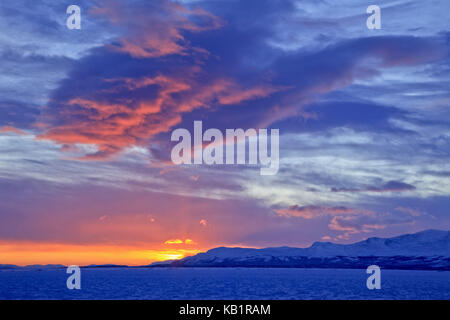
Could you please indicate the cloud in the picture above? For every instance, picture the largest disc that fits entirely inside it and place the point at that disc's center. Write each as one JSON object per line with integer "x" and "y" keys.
{"x": 189, "y": 241}
{"x": 155, "y": 29}
{"x": 316, "y": 211}
{"x": 174, "y": 241}
{"x": 412, "y": 212}
{"x": 352, "y": 225}
{"x": 6, "y": 129}
{"x": 390, "y": 186}
{"x": 126, "y": 111}
{"x": 180, "y": 241}
{"x": 351, "y": 221}
{"x": 113, "y": 110}
{"x": 171, "y": 62}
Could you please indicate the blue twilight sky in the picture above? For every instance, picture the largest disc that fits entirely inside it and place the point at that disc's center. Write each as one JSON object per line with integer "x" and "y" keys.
{"x": 86, "y": 117}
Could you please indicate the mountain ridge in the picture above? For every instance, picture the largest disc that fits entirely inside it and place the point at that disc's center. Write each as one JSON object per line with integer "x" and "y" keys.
{"x": 428, "y": 249}
{"x": 424, "y": 250}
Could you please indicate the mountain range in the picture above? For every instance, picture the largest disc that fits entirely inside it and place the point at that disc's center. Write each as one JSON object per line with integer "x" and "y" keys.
{"x": 426, "y": 250}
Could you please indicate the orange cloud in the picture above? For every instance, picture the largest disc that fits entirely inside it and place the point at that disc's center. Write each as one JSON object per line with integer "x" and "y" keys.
{"x": 7, "y": 129}
{"x": 113, "y": 126}
{"x": 179, "y": 241}
{"x": 174, "y": 241}
{"x": 350, "y": 225}
{"x": 157, "y": 31}
{"x": 117, "y": 112}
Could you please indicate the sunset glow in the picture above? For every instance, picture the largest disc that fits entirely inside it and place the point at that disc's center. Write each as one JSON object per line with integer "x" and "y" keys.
{"x": 67, "y": 254}
{"x": 359, "y": 119}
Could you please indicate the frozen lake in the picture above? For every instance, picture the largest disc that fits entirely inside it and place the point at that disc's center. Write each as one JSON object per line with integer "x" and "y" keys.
{"x": 223, "y": 283}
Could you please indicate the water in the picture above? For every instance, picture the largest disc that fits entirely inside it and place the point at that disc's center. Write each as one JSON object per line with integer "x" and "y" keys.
{"x": 223, "y": 283}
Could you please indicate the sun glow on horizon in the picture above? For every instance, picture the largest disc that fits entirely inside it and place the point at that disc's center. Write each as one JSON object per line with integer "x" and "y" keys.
{"x": 67, "y": 254}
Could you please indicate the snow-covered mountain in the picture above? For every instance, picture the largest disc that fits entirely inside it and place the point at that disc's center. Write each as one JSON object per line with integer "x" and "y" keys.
{"x": 428, "y": 249}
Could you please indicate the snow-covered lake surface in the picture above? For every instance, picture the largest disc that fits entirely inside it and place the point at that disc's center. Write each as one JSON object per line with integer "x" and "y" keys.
{"x": 223, "y": 283}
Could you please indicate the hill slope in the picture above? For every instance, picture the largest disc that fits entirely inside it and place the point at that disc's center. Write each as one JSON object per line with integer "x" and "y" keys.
{"x": 426, "y": 250}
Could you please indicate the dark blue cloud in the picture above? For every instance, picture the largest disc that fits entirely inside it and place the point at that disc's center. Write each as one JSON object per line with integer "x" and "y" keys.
{"x": 390, "y": 186}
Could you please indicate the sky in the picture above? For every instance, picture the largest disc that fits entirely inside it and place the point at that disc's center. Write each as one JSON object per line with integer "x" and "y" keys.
{"x": 86, "y": 117}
